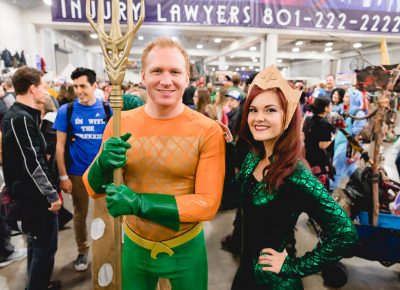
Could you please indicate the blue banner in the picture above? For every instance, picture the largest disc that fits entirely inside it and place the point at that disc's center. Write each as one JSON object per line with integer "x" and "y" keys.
{"x": 376, "y": 16}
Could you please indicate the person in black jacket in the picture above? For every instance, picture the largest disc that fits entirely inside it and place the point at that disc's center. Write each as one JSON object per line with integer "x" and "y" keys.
{"x": 26, "y": 175}
{"x": 319, "y": 135}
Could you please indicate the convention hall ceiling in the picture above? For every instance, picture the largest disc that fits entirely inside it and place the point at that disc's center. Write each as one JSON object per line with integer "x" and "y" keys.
{"x": 235, "y": 47}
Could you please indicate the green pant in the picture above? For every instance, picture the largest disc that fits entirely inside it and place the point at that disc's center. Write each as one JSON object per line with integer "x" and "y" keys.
{"x": 186, "y": 268}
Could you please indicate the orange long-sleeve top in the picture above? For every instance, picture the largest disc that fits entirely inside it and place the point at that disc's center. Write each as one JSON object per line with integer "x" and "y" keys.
{"x": 183, "y": 156}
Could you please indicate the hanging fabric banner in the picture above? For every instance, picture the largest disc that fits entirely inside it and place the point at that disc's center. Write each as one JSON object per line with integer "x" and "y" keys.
{"x": 372, "y": 16}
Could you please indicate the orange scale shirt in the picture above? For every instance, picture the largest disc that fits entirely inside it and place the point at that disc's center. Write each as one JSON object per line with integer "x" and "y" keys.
{"x": 183, "y": 156}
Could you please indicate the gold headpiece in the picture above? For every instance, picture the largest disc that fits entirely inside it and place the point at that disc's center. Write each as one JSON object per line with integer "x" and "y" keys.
{"x": 271, "y": 78}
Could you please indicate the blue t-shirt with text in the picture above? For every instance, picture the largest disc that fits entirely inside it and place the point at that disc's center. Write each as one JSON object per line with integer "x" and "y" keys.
{"x": 88, "y": 124}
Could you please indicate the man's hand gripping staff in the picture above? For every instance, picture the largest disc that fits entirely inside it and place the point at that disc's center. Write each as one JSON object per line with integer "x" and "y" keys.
{"x": 113, "y": 155}
{"x": 121, "y": 200}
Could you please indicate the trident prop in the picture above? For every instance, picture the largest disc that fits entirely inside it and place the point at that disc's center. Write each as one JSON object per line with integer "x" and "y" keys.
{"x": 106, "y": 269}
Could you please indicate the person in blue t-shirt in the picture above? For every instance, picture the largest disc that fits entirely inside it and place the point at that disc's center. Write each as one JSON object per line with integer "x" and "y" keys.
{"x": 88, "y": 121}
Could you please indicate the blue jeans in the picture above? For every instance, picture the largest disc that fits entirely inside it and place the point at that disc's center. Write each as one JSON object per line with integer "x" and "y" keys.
{"x": 42, "y": 247}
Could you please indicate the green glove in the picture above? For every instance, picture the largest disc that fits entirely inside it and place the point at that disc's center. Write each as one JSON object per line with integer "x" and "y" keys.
{"x": 113, "y": 155}
{"x": 159, "y": 208}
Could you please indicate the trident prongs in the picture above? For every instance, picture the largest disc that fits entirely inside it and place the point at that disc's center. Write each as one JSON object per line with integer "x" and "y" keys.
{"x": 115, "y": 46}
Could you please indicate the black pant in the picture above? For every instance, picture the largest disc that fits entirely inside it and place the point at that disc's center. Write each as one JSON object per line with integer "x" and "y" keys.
{"x": 42, "y": 247}
{"x": 244, "y": 280}
{"x": 6, "y": 248}
{"x": 398, "y": 162}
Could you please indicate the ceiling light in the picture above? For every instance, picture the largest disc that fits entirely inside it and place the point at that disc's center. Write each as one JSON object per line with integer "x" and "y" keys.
{"x": 295, "y": 49}
{"x": 279, "y": 60}
{"x": 255, "y": 60}
{"x": 253, "y": 48}
{"x": 329, "y": 44}
{"x": 257, "y": 69}
{"x": 232, "y": 56}
{"x": 47, "y": 2}
{"x": 242, "y": 68}
{"x": 298, "y": 43}
{"x": 357, "y": 45}
{"x": 94, "y": 35}
{"x": 199, "y": 46}
{"x": 217, "y": 40}
{"x": 226, "y": 67}
{"x": 251, "y": 67}
{"x": 213, "y": 68}
{"x": 237, "y": 69}
{"x": 328, "y": 49}
{"x": 140, "y": 37}
{"x": 174, "y": 38}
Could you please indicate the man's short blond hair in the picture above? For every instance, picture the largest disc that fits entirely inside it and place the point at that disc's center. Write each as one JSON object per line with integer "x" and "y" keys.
{"x": 165, "y": 42}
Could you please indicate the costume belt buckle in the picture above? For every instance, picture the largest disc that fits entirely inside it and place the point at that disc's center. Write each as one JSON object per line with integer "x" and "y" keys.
{"x": 160, "y": 248}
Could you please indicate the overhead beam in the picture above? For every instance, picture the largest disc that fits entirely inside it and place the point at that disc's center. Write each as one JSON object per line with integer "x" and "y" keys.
{"x": 236, "y": 45}
{"x": 231, "y": 63}
{"x": 305, "y": 55}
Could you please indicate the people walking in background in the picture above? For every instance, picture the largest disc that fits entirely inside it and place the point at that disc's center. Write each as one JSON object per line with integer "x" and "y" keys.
{"x": 8, "y": 253}
{"x": 9, "y": 96}
{"x": 203, "y": 104}
{"x": 188, "y": 95}
{"x": 79, "y": 135}
{"x": 26, "y": 175}
{"x": 329, "y": 87}
{"x": 220, "y": 106}
{"x": 236, "y": 82}
{"x": 318, "y": 136}
{"x": 337, "y": 100}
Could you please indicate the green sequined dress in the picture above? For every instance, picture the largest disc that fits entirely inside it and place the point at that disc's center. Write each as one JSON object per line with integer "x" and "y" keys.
{"x": 268, "y": 220}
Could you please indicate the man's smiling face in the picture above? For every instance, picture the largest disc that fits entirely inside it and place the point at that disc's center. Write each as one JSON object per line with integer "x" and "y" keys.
{"x": 165, "y": 76}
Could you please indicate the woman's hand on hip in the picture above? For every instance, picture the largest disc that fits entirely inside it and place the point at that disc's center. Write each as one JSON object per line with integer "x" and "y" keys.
{"x": 271, "y": 260}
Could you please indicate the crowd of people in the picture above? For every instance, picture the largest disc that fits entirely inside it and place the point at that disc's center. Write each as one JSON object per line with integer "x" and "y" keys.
{"x": 242, "y": 143}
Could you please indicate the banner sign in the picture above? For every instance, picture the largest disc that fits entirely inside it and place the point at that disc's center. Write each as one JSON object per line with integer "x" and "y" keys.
{"x": 376, "y": 16}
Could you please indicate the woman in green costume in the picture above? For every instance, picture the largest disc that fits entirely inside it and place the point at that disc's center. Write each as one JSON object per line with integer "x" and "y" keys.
{"x": 276, "y": 186}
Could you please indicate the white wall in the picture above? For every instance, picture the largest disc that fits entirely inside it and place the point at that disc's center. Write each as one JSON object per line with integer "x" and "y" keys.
{"x": 372, "y": 57}
{"x": 307, "y": 68}
{"x": 12, "y": 34}
{"x": 27, "y": 30}
{"x": 320, "y": 68}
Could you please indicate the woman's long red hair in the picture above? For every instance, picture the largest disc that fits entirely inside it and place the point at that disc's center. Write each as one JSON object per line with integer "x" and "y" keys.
{"x": 288, "y": 149}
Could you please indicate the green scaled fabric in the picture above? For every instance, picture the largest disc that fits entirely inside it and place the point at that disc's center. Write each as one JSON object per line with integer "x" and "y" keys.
{"x": 339, "y": 234}
{"x": 159, "y": 208}
{"x": 277, "y": 212}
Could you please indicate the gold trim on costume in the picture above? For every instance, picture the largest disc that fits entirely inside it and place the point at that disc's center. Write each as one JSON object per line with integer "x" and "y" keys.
{"x": 163, "y": 246}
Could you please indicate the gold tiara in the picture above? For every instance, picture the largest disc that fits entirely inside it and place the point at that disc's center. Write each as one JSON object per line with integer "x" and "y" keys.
{"x": 271, "y": 78}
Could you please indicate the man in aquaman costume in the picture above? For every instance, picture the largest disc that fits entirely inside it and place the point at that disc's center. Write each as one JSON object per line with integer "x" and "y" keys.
{"x": 173, "y": 160}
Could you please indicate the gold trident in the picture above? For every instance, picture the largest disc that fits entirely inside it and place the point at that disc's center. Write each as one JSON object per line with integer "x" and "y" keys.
{"x": 107, "y": 250}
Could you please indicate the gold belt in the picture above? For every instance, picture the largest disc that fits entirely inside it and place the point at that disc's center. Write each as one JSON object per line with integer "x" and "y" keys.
{"x": 162, "y": 246}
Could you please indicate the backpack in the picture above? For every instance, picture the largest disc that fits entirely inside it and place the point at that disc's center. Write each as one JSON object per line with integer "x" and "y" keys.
{"x": 70, "y": 136}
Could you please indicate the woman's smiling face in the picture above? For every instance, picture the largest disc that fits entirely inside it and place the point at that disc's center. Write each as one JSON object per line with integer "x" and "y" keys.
{"x": 266, "y": 116}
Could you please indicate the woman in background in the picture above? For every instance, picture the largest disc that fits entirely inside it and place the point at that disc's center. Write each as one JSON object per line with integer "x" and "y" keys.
{"x": 203, "y": 104}
{"x": 221, "y": 107}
